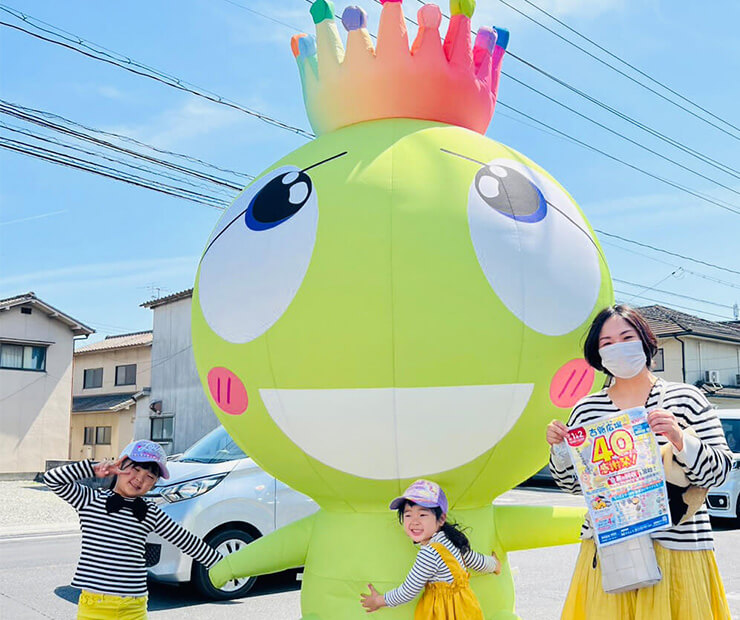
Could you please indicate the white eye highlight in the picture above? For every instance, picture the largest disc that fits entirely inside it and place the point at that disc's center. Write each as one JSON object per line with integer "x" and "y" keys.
{"x": 534, "y": 247}
{"x": 258, "y": 255}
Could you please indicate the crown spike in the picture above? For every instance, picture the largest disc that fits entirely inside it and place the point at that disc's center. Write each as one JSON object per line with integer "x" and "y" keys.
{"x": 393, "y": 38}
{"x": 457, "y": 43}
{"x": 502, "y": 40}
{"x": 428, "y": 41}
{"x": 360, "y": 51}
{"x": 485, "y": 42}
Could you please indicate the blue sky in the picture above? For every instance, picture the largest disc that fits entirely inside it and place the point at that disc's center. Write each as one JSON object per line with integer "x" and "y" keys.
{"x": 97, "y": 248}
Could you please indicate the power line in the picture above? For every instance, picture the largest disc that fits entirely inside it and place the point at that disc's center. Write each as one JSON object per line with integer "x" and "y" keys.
{"x": 652, "y": 247}
{"x": 621, "y": 161}
{"x": 629, "y": 77}
{"x": 660, "y": 301}
{"x": 143, "y": 70}
{"x": 657, "y": 290}
{"x": 67, "y": 160}
{"x": 628, "y": 139}
{"x": 141, "y": 168}
{"x": 20, "y": 113}
{"x": 693, "y": 273}
{"x": 129, "y": 139}
{"x": 624, "y": 62}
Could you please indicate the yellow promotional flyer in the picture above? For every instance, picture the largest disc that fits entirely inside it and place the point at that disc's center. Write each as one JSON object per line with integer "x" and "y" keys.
{"x": 618, "y": 463}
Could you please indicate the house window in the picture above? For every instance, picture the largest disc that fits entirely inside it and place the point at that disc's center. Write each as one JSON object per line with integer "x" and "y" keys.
{"x": 22, "y": 357}
{"x": 93, "y": 378}
{"x": 659, "y": 361}
{"x": 162, "y": 428}
{"x": 126, "y": 375}
{"x": 102, "y": 435}
{"x": 89, "y": 436}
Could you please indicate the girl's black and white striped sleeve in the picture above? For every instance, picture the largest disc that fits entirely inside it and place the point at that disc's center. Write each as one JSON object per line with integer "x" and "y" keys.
{"x": 706, "y": 458}
{"x": 429, "y": 566}
{"x": 112, "y": 549}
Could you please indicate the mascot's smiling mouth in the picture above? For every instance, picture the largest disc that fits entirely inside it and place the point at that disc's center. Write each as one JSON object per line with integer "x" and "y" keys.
{"x": 390, "y": 433}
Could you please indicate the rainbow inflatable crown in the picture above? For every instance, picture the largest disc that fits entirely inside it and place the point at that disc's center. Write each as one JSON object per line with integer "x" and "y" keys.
{"x": 450, "y": 82}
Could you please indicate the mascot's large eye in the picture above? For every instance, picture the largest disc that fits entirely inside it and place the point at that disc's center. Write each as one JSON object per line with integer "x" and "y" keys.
{"x": 534, "y": 247}
{"x": 258, "y": 254}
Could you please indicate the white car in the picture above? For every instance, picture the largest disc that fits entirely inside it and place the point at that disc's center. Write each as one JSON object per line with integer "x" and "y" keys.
{"x": 225, "y": 498}
{"x": 722, "y": 501}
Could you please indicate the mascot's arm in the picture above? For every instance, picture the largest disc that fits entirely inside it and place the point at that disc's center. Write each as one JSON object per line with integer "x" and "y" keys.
{"x": 284, "y": 548}
{"x": 527, "y": 527}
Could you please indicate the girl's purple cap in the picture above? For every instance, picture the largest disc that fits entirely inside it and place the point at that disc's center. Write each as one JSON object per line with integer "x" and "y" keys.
{"x": 424, "y": 493}
{"x": 145, "y": 451}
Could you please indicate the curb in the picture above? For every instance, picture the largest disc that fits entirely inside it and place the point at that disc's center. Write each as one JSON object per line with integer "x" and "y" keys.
{"x": 13, "y": 534}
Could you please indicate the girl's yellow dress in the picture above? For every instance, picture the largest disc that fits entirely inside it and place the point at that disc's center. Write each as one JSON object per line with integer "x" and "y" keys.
{"x": 449, "y": 601}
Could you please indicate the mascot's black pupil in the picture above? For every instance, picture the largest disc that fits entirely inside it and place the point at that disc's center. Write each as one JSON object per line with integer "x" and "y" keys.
{"x": 281, "y": 197}
{"x": 516, "y": 196}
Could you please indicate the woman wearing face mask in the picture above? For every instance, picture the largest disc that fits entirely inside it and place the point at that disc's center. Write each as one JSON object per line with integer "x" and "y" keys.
{"x": 621, "y": 344}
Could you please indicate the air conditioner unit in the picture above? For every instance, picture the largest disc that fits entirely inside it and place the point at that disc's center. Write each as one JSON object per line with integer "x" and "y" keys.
{"x": 737, "y": 380}
{"x": 711, "y": 376}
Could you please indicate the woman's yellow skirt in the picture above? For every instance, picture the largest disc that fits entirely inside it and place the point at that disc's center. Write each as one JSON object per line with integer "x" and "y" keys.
{"x": 691, "y": 589}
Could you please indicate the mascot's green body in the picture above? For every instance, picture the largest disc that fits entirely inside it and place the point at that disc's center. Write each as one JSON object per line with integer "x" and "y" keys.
{"x": 399, "y": 298}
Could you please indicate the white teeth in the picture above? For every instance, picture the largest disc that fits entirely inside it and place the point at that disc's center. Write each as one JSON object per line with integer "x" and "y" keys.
{"x": 406, "y": 431}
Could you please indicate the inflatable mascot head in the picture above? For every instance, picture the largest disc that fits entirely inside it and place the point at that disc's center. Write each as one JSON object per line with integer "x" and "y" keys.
{"x": 402, "y": 297}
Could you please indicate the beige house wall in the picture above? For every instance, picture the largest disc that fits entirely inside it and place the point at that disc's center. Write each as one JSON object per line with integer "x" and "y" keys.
{"x": 122, "y": 430}
{"x": 34, "y": 416}
{"x": 701, "y": 355}
{"x": 108, "y": 360}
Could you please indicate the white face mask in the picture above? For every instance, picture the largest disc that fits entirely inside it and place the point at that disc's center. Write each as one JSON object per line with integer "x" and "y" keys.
{"x": 623, "y": 359}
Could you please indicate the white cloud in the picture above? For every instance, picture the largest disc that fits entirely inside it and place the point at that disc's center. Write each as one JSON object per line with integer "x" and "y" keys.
{"x": 120, "y": 273}
{"x": 196, "y": 117}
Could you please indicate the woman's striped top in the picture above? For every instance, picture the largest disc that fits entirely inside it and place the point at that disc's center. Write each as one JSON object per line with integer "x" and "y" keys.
{"x": 429, "y": 566}
{"x": 706, "y": 459}
{"x": 112, "y": 555}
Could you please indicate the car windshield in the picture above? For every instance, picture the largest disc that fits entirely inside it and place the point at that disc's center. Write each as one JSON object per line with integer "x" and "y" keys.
{"x": 732, "y": 433}
{"x": 216, "y": 447}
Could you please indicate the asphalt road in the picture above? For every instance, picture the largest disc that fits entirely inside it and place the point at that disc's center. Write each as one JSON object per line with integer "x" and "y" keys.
{"x": 35, "y": 571}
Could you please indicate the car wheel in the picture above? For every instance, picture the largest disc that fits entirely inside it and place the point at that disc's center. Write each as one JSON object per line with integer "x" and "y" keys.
{"x": 225, "y": 542}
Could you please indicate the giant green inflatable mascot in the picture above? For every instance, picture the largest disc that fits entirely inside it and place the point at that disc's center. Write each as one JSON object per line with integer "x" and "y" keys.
{"x": 400, "y": 298}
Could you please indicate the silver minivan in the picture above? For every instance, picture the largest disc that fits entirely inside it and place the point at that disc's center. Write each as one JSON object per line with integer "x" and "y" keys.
{"x": 219, "y": 494}
{"x": 724, "y": 500}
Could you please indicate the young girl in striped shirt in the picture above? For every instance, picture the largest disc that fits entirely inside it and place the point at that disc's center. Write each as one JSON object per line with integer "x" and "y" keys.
{"x": 621, "y": 343}
{"x": 115, "y": 523}
{"x": 441, "y": 565}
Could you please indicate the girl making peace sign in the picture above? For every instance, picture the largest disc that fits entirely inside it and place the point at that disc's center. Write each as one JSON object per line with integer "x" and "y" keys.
{"x": 115, "y": 523}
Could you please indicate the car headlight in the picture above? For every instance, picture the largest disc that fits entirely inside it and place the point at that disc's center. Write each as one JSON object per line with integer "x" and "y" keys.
{"x": 191, "y": 488}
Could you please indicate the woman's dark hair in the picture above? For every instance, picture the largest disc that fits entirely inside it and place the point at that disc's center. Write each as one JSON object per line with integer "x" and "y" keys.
{"x": 452, "y": 530}
{"x": 634, "y": 318}
{"x": 148, "y": 465}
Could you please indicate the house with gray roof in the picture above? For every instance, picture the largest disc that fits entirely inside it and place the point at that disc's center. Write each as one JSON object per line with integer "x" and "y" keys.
{"x": 111, "y": 384}
{"x": 36, "y": 371}
{"x": 698, "y": 351}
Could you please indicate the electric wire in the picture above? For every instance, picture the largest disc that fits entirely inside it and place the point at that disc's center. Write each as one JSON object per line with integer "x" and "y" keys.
{"x": 652, "y": 247}
{"x": 657, "y": 290}
{"x": 60, "y": 159}
{"x": 49, "y": 115}
{"x": 622, "y": 73}
{"x": 631, "y": 66}
{"x": 621, "y": 161}
{"x": 143, "y": 70}
{"x": 11, "y": 109}
{"x": 79, "y": 149}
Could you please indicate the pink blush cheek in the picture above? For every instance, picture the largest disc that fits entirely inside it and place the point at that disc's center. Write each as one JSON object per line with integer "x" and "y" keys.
{"x": 228, "y": 391}
{"x": 571, "y": 382}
